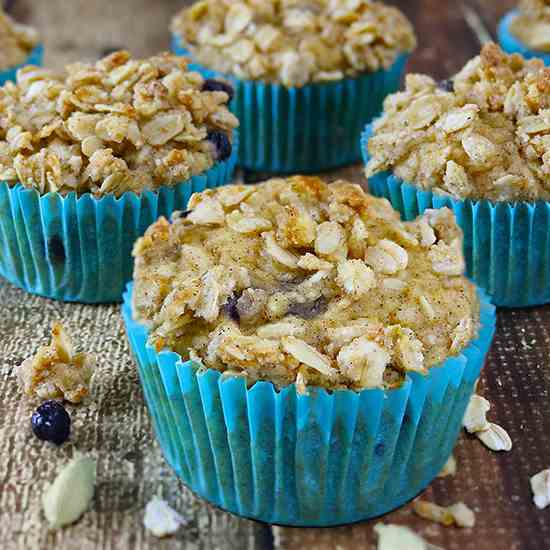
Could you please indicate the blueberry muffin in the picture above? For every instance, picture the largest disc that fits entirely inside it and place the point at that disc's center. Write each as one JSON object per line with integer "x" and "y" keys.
{"x": 314, "y": 350}
{"x": 91, "y": 156}
{"x": 298, "y": 68}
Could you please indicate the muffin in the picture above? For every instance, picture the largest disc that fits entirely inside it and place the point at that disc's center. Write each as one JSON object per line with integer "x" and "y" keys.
{"x": 19, "y": 46}
{"x": 527, "y": 30}
{"x": 306, "y": 75}
{"x": 479, "y": 144}
{"x": 306, "y": 356}
{"x": 90, "y": 157}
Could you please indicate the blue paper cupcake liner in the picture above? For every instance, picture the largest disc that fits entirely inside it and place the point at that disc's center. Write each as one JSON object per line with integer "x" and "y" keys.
{"x": 321, "y": 459}
{"x": 35, "y": 58}
{"x": 506, "y": 244}
{"x": 309, "y": 129}
{"x": 78, "y": 248}
{"x": 510, "y": 44}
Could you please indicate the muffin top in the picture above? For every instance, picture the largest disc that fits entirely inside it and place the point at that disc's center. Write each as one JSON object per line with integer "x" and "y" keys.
{"x": 16, "y": 42}
{"x": 118, "y": 125}
{"x": 483, "y": 135}
{"x": 532, "y": 24}
{"x": 294, "y": 42}
{"x": 297, "y": 281}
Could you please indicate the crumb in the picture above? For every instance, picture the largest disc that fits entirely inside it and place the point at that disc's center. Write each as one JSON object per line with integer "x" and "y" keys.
{"x": 56, "y": 371}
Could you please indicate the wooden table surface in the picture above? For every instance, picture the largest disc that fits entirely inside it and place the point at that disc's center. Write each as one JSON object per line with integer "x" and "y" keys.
{"x": 115, "y": 427}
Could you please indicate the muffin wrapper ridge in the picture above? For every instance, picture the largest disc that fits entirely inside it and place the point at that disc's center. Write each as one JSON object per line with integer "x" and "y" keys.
{"x": 78, "y": 249}
{"x": 506, "y": 244}
{"x": 510, "y": 44}
{"x": 35, "y": 58}
{"x": 321, "y": 459}
{"x": 307, "y": 129}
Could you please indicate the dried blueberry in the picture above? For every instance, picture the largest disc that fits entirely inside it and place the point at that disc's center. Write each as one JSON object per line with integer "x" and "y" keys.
{"x": 56, "y": 250}
{"x": 446, "y": 85}
{"x": 309, "y": 310}
{"x": 212, "y": 85}
{"x": 51, "y": 422}
{"x": 221, "y": 143}
{"x": 230, "y": 308}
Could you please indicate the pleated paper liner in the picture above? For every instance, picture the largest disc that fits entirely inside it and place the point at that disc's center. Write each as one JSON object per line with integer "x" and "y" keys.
{"x": 78, "y": 248}
{"x": 510, "y": 44}
{"x": 308, "y": 129}
{"x": 35, "y": 58}
{"x": 506, "y": 244}
{"x": 321, "y": 459}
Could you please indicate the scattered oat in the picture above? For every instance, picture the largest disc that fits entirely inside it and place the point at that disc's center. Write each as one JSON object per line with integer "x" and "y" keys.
{"x": 294, "y": 42}
{"x": 487, "y": 136}
{"x": 69, "y": 496}
{"x": 449, "y": 469}
{"x": 475, "y": 417}
{"x": 160, "y": 519}
{"x": 16, "y": 41}
{"x": 495, "y": 437}
{"x": 540, "y": 485}
{"x": 490, "y": 434}
{"x": 118, "y": 125}
{"x": 57, "y": 371}
{"x": 398, "y": 537}
{"x": 457, "y": 514}
{"x": 305, "y": 302}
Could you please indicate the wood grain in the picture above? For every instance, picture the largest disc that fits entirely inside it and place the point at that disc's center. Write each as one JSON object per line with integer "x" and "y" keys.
{"x": 115, "y": 427}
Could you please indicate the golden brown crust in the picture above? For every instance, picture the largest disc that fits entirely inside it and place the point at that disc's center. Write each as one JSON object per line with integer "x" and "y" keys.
{"x": 294, "y": 280}
{"x": 118, "y": 125}
{"x": 487, "y": 138}
{"x": 294, "y": 42}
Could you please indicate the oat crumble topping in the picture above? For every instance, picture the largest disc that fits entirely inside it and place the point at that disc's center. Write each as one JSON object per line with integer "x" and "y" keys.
{"x": 294, "y": 42}
{"x": 118, "y": 125}
{"x": 486, "y": 138}
{"x": 16, "y": 41}
{"x": 57, "y": 371}
{"x": 294, "y": 280}
{"x": 532, "y": 25}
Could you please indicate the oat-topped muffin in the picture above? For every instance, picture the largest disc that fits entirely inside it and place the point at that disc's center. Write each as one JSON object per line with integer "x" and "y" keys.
{"x": 16, "y": 41}
{"x": 532, "y": 24}
{"x": 118, "y": 125}
{"x": 483, "y": 135}
{"x": 294, "y": 42}
{"x": 294, "y": 280}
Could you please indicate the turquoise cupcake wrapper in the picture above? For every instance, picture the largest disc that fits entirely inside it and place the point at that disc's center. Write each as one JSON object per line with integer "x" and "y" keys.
{"x": 309, "y": 129}
{"x": 510, "y": 44}
{"x": 506, "y": 245}
{"x": 78, "y": 249}
{"x": 35, "y": 58}
{"x": 321, "y": 459}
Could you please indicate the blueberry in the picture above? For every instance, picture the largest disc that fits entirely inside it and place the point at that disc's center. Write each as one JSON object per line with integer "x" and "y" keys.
{"x": 56, "y": 250}
{"x": 222, "y": 144}
{"x": 51, "y": 422}
{"x": 230, "y": 308}
{"x": 446, "y": 85}
{"x": 212, "y": 85}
